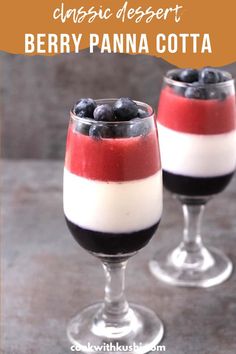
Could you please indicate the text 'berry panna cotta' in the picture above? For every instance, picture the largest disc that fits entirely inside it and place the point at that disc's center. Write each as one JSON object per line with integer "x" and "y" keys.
{"x": 197, "y": 131}
{"x": 112, "y": 175}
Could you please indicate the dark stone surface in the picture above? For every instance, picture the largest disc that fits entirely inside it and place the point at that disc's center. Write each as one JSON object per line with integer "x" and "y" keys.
{"x": 37, "y": 93}
{"x": 48, "y": 277}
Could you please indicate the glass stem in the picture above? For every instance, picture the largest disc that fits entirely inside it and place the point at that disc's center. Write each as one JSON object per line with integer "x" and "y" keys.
{"x": 115, "y": 303}
{"x": 192, "y": 240}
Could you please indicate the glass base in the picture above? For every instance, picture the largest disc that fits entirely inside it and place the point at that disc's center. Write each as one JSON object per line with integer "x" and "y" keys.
{"x": 142, "y": 331}
{"x": 203, "y": 269}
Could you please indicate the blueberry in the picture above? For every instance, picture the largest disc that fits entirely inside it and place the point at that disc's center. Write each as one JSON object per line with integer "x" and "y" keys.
{"x": 213, "y": 94}
{"x": 174, "y": 75}
{"x": 120, "y": 131}
{"x": 85, "y": 107}
{"x": 139, "y": 128}
{"x": 189, "y": 75}
{"x": 142, "y": 113}
{"x": 82, "y": 128}
{"x": 196, "y": 92}
{"x": 95, "y": 131}
{"x": 104, "y": 112}
{"x": 101, "y": 131}
{"x": 209, "y": 76}
{"x": 125, "y": 109}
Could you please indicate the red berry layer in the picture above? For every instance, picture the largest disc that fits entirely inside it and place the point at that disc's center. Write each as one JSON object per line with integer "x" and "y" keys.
{"x": 123, "y": 159}
{"x": 196, "y": 116}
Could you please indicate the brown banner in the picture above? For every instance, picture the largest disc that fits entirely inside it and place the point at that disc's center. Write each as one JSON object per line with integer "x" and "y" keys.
{"x": 185, "y": 33}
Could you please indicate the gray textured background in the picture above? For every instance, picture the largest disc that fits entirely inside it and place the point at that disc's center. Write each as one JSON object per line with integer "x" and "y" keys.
{"x": 37, "y": 93}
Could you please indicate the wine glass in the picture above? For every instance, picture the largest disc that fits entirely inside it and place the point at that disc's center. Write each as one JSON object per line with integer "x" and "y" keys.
{"x": 197, "y": 134}
{"x": 112, "y": 200}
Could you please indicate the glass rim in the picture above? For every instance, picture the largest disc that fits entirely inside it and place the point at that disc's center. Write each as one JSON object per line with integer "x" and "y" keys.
{"x": 170, "y": 81}
{"x": 88, "y": 120}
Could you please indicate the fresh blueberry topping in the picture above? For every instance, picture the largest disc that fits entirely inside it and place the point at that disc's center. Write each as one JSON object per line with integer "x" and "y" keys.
{"x": 196, "y": 92}
{"x": 94, "y": 132}
{"x": 174, "y": 75}
{"x": 209, "y": 76}
{"x": 213, "y": 94}
{"x": 82, "y": 128}
{"x": 189, "y": 75}
{"x": 101, "y": 131}
{"x": 104, "y": 113}
{"x": 125, "y": 109}
{"x": 120, "y": 131}
{"x": 198, "y": 81}
{"x": 139, "y": 128}
{"x": 142, "y": 113}
{"x": 85, "y": 107}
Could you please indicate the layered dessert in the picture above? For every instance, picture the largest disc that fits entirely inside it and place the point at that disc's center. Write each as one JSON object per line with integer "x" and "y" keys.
{"x": 197, "y": 131}
{"x": 112, "y": 176}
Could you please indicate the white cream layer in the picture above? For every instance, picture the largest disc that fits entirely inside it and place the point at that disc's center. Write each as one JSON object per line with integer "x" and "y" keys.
{"x": 197, "y": 155}
{"x": 113, "y": 206}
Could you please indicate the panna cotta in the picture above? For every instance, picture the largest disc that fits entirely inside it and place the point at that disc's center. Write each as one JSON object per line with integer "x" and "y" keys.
{"x": 197, "y": 131}
{"x": 112, "y": 180}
